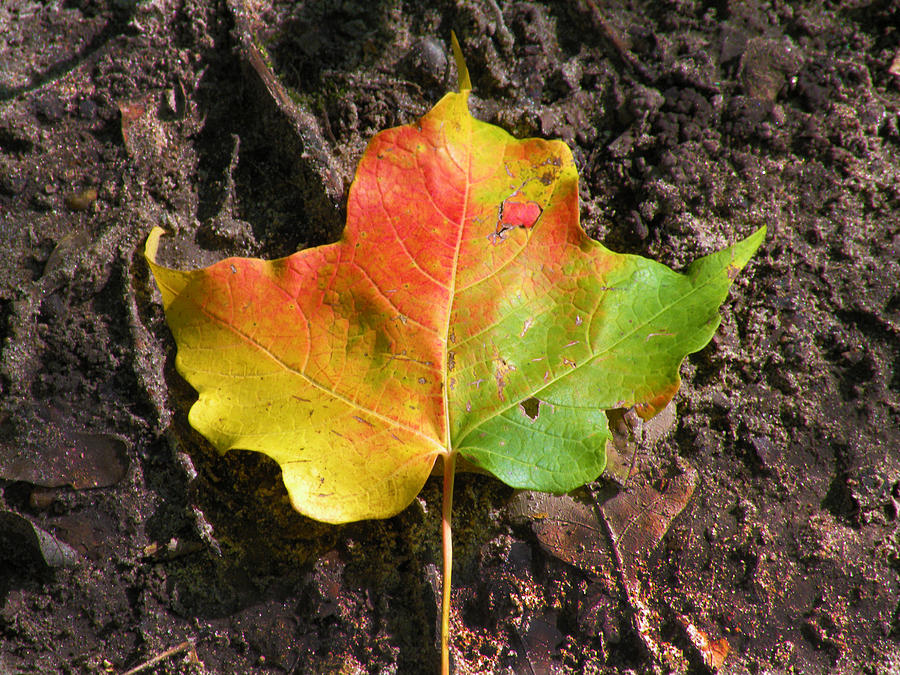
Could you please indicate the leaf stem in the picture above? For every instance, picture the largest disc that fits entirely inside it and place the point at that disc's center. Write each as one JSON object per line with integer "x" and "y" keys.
{"x": 447, "y": 540}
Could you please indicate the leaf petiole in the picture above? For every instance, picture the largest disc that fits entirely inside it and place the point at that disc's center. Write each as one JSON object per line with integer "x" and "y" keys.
{"x": 446, "y": 538}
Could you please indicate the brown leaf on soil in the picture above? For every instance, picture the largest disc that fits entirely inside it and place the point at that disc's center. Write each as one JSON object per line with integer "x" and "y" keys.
{"x": 638, "y": 519}
{"x": 20, "y": 538}
{"x": 540, "y": 638}
{"x": 633, "y": 437}
{"x": 64, "y": 456}
{"x": 572, "y": 533}
{"x": 567, "y": 529}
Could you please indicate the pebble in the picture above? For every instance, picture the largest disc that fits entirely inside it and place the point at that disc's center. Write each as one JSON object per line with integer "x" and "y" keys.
{"x": 426, "y": 62}
{"x": 81, "y": 201}
{"x": 50, "y": 108}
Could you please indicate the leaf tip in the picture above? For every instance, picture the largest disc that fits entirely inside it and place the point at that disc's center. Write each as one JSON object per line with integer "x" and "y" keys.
{"x": 169, "y": 282}
{"x": 746, "y": 248}
{"x": 757, "y": 238}
{"x": 152, "y": 244}
{"x": 462, "y": 72}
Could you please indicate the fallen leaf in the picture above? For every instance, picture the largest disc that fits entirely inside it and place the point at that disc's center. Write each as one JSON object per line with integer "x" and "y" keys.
{"x": 463, "y": 311}
{"x": 631, "y": 438}
{"x": 540, "y": 638}
{"x": 639, "y": 518}
{"x": 566, "y": 529}
{"x": 22, "y": 541}
{"x": 61, "y": 455}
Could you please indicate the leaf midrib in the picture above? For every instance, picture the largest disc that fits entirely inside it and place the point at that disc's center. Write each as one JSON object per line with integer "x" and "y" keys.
{"x": 445, "y": 372}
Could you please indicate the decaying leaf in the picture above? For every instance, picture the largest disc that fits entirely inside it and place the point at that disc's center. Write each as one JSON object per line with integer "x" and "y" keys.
{"x": 540, "y": 639}
{"x": 621, "y": 534}
{"x": 61, "y": 454}
{"x": 633, "y": 437}
{"x": 567, "y": 529}
{"x": 639, "y": 518}
{"x": 22, "y": 541}
{"x": 712, "y": 652}
{"x": 636, "y": 520}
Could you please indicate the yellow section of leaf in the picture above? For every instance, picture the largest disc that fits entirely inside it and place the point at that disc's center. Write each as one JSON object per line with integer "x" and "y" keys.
{"x": 342, "y": 459}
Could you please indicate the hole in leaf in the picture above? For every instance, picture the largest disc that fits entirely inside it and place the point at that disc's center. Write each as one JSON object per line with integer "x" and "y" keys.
{"x": 531, "y": 407}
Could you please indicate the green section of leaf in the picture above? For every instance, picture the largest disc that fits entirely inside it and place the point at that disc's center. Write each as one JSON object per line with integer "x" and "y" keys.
{"x": 646, "y": 319}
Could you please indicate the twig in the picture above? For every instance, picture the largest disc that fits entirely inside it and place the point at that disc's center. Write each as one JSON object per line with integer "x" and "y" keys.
{"x": 184, "y": 646}
{"x": 618, "y": 43}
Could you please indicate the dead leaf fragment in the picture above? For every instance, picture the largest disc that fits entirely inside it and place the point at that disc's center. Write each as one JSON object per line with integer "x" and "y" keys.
{"x": 81, "y": 201}
{"x": 633, "y": 437}
{"x": 540, "y": 639}
{"x": 63, "y": 456}
{"x": 638, "y": 519}
{"x": 147, "y": 138}
{"x": 20, "y": 538}
{"x": 567, "y": 529}
{"x": 713, "y": 652}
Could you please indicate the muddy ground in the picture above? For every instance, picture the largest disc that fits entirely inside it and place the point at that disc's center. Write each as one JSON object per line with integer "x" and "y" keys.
{"x": 124, "y": 535}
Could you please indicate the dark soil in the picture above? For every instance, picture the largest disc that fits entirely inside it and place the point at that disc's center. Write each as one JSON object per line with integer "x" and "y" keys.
{"x": 692, "y": 124}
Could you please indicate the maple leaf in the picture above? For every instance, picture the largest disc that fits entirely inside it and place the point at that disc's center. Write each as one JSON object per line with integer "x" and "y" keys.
{"x": 464, "y": 312}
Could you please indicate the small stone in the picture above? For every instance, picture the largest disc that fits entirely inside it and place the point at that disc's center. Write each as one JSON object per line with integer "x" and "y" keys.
{"x": 88, "y": 109}
{"x": 426, "y": 62}
{"x": 50, "y": 108}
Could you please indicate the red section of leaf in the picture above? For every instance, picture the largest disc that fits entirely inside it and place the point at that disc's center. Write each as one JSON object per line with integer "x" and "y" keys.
{"x": 519, "y": 214}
